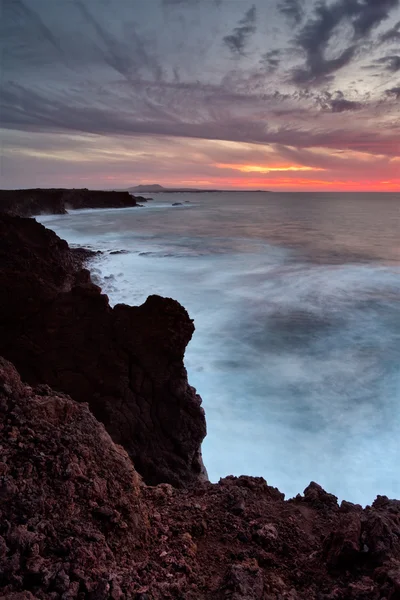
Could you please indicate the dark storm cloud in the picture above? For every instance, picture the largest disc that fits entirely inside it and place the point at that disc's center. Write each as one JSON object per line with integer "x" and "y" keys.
{"x": 292, "y": 9}
{"x": 320, "y": 29}
{"x": 237, "y": 41}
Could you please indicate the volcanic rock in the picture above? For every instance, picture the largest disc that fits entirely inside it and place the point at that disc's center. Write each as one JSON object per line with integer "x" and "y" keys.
{"x": 70, "y": 508}
{"x": 126, "y": 362}
{"x": 27, "y": 203}
{"x": 76, "y": 522}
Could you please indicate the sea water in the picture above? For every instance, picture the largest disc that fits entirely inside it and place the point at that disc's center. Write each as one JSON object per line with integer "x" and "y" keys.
{"x": 296, "y": 303}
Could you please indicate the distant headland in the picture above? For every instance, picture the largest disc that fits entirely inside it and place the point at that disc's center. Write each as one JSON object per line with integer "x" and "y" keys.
{"x": 155, "y": 188}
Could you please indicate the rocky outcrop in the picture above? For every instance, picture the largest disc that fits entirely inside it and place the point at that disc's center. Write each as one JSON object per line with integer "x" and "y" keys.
{"x": 70, "y": 506}
{"x": 27, "y": 203}
{"x": 76, "y": 522}
{"x": 127, "y": 362}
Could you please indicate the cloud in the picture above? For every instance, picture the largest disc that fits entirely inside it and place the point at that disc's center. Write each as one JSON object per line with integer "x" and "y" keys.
{"x": 394, "y": 92}
{"x": 337, "y": 103}
{"x": 369, "y": 14}
{"x": 169, "y": 3}
{"x": 209, "y": 112}
{"x": 178, "y": 2}
{"x": 318, "y": 32}
{"x": 392, "y": 35}
{"x": 319, "y": 70}
{"x": 392, "y": 63}
{"x": 292, "y": 10}
{"x": 271, "y": 60}
{"x": 238, "y": 40}
{"x": 127, "y": 57}
{"x": 82, "y": 69}
{"x": 13, "y": 11}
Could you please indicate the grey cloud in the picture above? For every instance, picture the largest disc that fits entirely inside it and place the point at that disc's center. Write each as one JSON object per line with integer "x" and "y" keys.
{"x": 15, "y": 11}
{"x": 200, "y": 114}
{"x": 237, "y": 41}
{"x": 337, "y": 103}
{"x": 392, "y": 63}
{"x": 127, "y": 57}
{"x": 271, "y": 60}
{"x": 394, "y": 92}
{"x": 292, "y": 9}
{"x": 319, "y": 70}
{"x": 130, "y": 79}
{"x": 317, "y": 33}
{"x": 169, "y": 3}
{"x": 369, "y": 14}
{"x": 392, "y": 35}
{"x": 178, "y": 2}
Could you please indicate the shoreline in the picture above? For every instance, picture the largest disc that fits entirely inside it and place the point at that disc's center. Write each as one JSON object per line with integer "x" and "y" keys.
{"x": 92, "y": 513}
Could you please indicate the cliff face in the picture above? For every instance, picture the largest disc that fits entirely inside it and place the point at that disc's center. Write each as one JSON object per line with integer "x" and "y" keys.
{"x": 126, "y": 362}
{"x": 77, "y": 523}
{"x": 27, "y": 203}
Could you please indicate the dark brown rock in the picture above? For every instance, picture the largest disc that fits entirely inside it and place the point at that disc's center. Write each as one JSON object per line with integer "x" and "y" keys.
{"x": 244, "y": 581}
{"x": 62, "y": 471}
{"x": 127, "y": 362}
{"x": 343, "y": 547}
{"x": 28, "y": 203}
{"x": 76, "y": 522}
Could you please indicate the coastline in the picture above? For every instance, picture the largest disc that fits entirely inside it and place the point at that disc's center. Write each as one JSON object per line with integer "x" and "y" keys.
{"x": 236, "y": 539}
{"x": 57, "y": 201}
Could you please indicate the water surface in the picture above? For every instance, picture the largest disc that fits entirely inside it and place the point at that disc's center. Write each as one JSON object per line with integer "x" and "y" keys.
{"x": 296, "y": 302}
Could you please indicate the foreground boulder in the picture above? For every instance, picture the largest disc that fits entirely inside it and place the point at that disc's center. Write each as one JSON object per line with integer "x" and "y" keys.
{"x": 27, "y": 203}
{"x": 77, "y": 523}
{"x": 126, "y": 362}
{"x": 70, "y": 508}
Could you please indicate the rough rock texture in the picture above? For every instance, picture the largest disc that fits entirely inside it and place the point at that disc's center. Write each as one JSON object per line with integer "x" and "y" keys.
{"x": 76, "y": 523}
{"x": 26, "y": 203}
{"x": 70, "y": 508}
{"x": 126, "y": 362}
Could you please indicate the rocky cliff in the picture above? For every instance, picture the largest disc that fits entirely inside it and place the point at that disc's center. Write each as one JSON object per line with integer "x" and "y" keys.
{"x": 126, "y": 362}
{"x": 77, "y": 523}
{"x": 27, "y": 203}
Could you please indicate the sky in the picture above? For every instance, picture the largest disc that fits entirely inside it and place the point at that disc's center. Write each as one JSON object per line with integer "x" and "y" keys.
{"x": 282, "y": 95}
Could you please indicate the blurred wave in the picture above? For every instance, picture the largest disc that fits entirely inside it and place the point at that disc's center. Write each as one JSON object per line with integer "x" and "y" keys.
{"x": 296, "y": 301}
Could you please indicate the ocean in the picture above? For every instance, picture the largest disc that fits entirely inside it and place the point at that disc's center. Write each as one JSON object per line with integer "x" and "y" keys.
{"x": 296, "y": 303}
